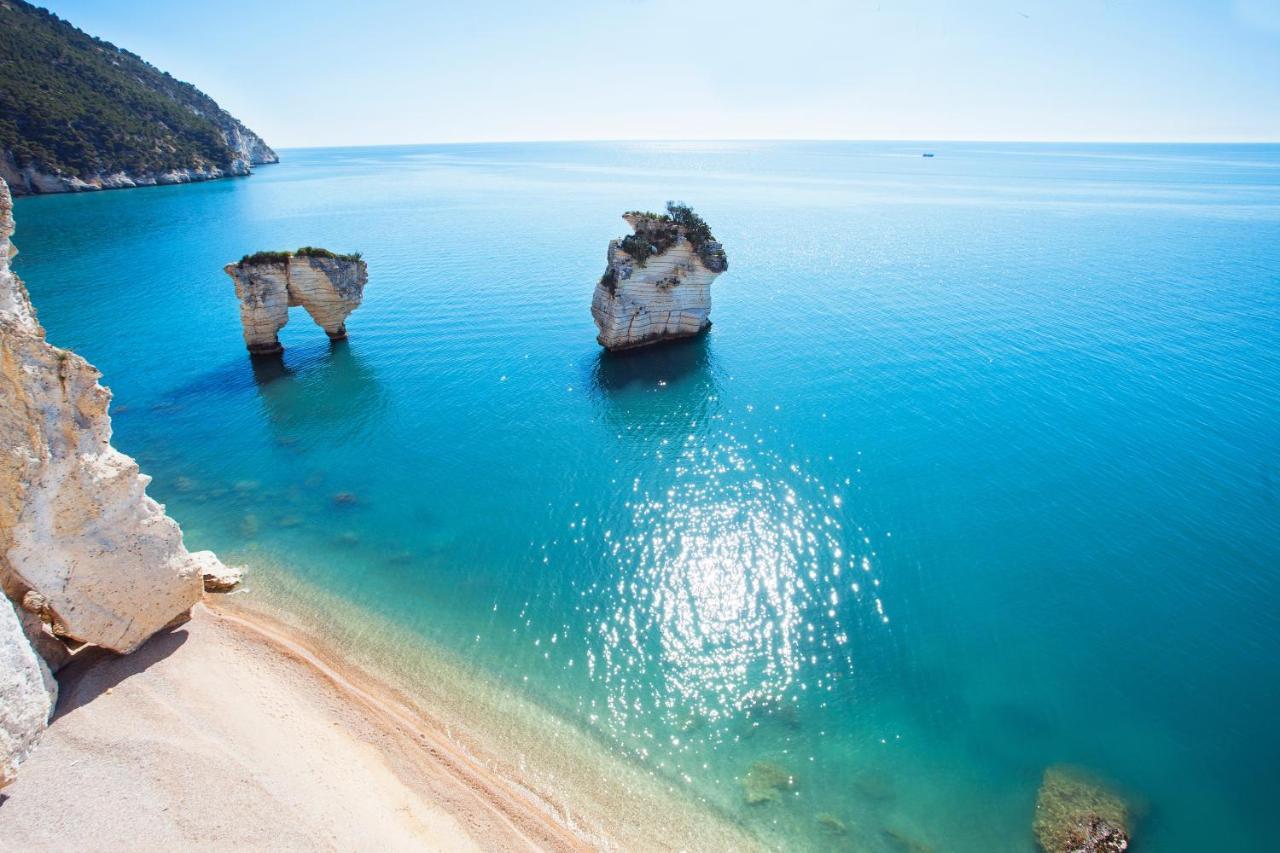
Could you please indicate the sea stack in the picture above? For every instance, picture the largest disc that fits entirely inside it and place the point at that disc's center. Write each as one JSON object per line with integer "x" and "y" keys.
{"x": 329, "y": 286}
{"x": 657, "y": 285}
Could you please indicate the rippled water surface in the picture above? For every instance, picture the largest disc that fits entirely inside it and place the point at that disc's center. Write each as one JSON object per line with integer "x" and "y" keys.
{"x": 977, "y": 472}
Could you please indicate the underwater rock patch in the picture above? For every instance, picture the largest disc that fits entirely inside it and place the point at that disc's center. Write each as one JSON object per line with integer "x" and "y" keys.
{"x": 1078, "y": 814}
{"x": 832, "y": 824}
{"x": 765, "y": 782}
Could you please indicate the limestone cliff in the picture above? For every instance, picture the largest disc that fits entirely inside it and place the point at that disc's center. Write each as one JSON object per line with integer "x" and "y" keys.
{"x": 657, "y": 285}
{"x": 27, "y": 694}
{"x": 268, "y": 284}
{"x": 85, "y": 555}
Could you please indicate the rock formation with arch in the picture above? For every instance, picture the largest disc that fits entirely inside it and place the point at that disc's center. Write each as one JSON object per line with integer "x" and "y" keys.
{"x": 268, "y": 284}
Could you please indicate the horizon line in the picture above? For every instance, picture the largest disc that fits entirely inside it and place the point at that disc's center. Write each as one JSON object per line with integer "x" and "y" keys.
{"x": 917, "y": 141}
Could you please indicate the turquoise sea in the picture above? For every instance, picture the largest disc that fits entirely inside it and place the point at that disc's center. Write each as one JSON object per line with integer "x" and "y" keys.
{"x": 977, "y": 472}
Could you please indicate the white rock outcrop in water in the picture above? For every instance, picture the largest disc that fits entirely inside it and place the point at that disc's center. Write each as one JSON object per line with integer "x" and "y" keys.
{"x": 216, "y": 575}
{"x": 657, "y": 285}
{"x": 76, "y": 526}
{"x": 268, "y": 284}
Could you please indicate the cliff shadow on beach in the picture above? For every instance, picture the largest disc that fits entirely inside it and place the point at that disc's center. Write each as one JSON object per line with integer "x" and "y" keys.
{"x": 97, "y": 671}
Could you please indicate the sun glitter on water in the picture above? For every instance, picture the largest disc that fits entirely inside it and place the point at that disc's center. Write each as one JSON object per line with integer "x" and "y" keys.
{"x": 729, "y": 592}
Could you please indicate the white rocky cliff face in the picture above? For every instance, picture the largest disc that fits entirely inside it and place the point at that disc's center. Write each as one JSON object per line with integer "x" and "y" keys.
{"x": 85, "y": 555}
{"x": 27, "y": 694}
{"x": 657, "y": 285}
{"x": 268, "y": 284}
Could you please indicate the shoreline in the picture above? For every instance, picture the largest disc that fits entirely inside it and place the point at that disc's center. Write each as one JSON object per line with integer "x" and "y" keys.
{"x": 536, "y": 755}
{"x": 223, "y": 731}
{"x": 27, "y": 182}
{"x": 301, "y": 721}
{"x": 519, "y": 809}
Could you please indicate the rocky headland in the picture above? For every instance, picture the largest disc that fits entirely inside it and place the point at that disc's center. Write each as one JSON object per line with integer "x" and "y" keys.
{"x": 657, "y": 285}
{"x": 86, "y": 557}
{"x": 329, "y": 286}
{"x": 79, "y": 113}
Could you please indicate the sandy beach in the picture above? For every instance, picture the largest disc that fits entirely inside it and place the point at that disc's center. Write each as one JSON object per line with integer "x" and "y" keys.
{"x": 226, "y": 733}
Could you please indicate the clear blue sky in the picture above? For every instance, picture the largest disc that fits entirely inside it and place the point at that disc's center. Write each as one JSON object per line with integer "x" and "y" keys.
{"x": 338, "y": 72}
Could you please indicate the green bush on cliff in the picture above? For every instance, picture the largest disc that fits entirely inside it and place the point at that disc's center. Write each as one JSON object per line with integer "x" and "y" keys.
{"x": 648, "y": 214}
{"x": 656, "y": 232}
{"x": 304, "y": 252}
{"x": 313, "y": 252}
{"x": 637, "y": 247}
{"x": 266, "y": 258}
{"x": 695, "y": 227}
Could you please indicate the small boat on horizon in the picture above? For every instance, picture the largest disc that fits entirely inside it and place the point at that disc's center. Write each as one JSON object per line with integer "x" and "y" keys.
{"x": 927, "y": 154}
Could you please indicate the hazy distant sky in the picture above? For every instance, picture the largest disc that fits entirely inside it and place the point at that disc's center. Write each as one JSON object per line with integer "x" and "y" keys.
{"x": 337, "y": 72}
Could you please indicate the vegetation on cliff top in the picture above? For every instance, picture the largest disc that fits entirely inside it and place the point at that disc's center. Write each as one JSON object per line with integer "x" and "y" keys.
{"x": 657, "y": 232}
{"x": 268, "y": 257}
{"x": 313, "y": 252}
{"x": 72, "y": 104}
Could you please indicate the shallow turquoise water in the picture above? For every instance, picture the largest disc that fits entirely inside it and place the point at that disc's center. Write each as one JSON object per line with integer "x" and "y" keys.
{"x": 978, "y": 470}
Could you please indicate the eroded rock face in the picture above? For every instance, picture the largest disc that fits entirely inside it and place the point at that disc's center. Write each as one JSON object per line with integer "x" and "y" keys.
{"x": 657, "y": 285}
{"x": 27, "y": 694}
{"x": 108, "y": 567}
{"x": 217, "y": 577}
{"x": 328, "y": 286}
{"x": 1077, "y": 814}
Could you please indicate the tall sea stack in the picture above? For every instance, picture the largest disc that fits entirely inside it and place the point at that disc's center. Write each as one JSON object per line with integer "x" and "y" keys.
{"x": 657, "y": 285}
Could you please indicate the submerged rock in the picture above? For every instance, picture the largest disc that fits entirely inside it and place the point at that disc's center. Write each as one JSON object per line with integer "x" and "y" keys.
{"x": 268, "y": 284}
{"x": 765, "y": 782}
{"x": 832, "y": 824}
{"x": 904, "y": 842}
{"x": 657, "y": 285}
{"x": 1077, "y": 814}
